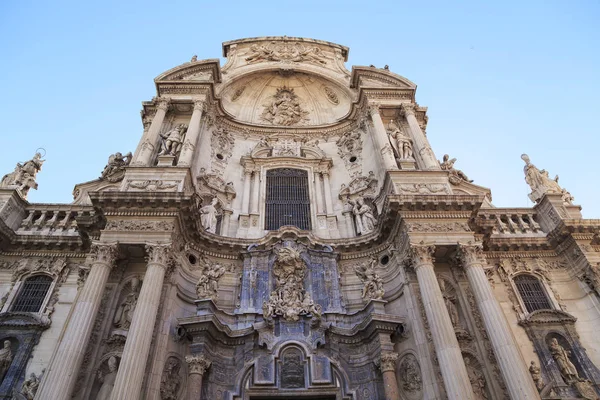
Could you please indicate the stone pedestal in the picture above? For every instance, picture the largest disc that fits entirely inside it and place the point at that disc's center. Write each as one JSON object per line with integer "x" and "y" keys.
{"x": 60, "y": 378}
{"x": 128, "y": 384}
{"x": 407, "y": 164}
{"x": 197, "y": 366}
{"x": 166, "y": 160}
{"x": 515, "y": 372}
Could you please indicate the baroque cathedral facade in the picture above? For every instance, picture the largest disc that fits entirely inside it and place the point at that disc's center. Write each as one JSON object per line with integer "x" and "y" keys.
{"x": 284, "y": 230}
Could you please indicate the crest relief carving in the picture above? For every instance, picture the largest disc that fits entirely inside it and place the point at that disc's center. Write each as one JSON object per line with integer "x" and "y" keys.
{"x": 285, "y": 52}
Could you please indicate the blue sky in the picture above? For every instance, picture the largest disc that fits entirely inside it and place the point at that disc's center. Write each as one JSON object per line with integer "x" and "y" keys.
{"x": 499, "y": 78}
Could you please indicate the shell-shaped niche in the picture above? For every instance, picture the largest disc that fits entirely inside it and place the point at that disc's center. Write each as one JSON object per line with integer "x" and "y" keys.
{"x": 294, "y": 99}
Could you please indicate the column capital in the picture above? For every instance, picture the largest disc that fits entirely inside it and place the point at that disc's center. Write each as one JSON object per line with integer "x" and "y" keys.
{"x": 197, "y": 364}
{"x": 159, "y": 253}
{"x": 199, "y": 105}
{"x": 421, "y": 253}
{"x": 162, "y": 103}
{"x": 408, "y": 108}
{"x": 470, "y": 254}
{"x": 387, "y": 361}
{"x": 373, "y": 108}
{"x": 105, "y": 253}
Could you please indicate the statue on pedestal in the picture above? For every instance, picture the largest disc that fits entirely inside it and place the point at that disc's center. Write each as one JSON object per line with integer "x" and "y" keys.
{"x": 124, "y": 313}
{"x": 400, "y": 142}
{"x": 23, "y": 177}
{"x": 363, "y": 215}
{"x": 208, "y": 216}
{"x": 540, "y": 182}
{"x": 172, "y": 140}
{"x": 108, "y": 380}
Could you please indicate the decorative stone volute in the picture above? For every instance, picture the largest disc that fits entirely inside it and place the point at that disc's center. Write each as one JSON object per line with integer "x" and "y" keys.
{"x": 197, "y": 364}
{"x": 159, "y": 253}
{"x": 388, "y": 361}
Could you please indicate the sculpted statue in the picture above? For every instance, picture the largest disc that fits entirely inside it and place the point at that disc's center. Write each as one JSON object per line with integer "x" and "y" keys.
{"x": 456, "y": 175}
{"x": 540, "y": 183}
{"x": 124, "y": 313}
{"x": 363, "y": 215}
{"x": 23, "y": 177}
{"x": 208, "y": 284}
{"x": 400, "y": 142}
{"x": 285, "y": 109}
{"x": 6, "y": 357}
{"x": 208, "y": 216}
{"x": 373, "y": 284}
{"x": 450, "y": 302}
{"x": 116, "y": 162}
{"x": 536, "y": 375}
{"x": 108, "y": 380}
{"x": 561, "y": 357}
{"x": 30, "y": 387}
{"x": 172, "y": 140}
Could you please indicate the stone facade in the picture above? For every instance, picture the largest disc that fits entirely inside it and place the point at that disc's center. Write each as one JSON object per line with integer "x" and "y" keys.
{"x": 284, "y": 230}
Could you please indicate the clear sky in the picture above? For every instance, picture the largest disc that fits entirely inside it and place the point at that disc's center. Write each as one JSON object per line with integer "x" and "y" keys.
{"x": 500, "y": 78}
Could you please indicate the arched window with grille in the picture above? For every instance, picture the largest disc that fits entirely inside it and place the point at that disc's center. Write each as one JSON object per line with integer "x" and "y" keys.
{"x": 32, "y": 293}
{"x": 532, "y": 292}
{"x": 287, "y": 200}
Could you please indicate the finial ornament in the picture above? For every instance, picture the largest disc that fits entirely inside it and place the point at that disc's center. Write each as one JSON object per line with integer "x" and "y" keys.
{"x": 540, "y": 183}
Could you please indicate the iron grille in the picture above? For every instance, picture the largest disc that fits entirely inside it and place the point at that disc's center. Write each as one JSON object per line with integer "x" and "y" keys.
{"x": 532, "y": 293}
{"x": 287, "y": 199}
{"x": 32, "y": 294}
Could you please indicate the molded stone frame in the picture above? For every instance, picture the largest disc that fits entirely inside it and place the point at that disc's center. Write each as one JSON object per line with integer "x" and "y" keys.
{"x": 14, "y": 293}
{"x": 24, "y": 331}
{"x": 545, "y": 285}
{"x": 543, "y": 325}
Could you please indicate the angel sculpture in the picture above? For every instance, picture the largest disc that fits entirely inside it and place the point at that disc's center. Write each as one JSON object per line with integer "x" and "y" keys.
{"x": 208, "y": 284}
{"x": 373, "y": 284}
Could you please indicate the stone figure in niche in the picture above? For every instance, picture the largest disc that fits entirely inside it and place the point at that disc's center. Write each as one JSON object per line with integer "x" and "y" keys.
{"x": 30, "y": 387}
{"x": 477, "y": 380}
{"x": 116, "y": 163}
{"x": 456, "y": 175}
{"x": 6, "y": 357}
{"x": 561, "y": 357}
{"x": 172, "y": 140}
{"x": 400, "y": 142}
{"x": 208, "y": 216}
{"x": 536, "y": 376}
{"x": 410, "y": 374}
{"x": 171, "y": 380}
{"x": 450, "y": 301}
{"x": 373, "y": 284}
{"x": 108, "y": 380}
{"x": 284, "y": 109}
{"x": 540, "y": 183}
{"x": 23, "y": 177}
{"x": 363, "y": 215}
{"x": 124, "y": 313}
{"x": 208, "y": 284}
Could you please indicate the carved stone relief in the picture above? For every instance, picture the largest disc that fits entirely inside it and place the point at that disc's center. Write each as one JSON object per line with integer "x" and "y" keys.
{"x": 114, "y": 171}
{"x": 286, "y": 53}
{"x": 208, "y": 284}
{"x": 171, "y": 381}
{"x": 222, "y": 143}
{"x": 284, "y": 108}
{"x": 292, "y": 369}
{"x": 422, "y": 188}
{"x": 350, "y": 148}
{"x": 373, "y": 284}
{"x": 134, "y": 225}
{"x": 410, "y": 380}
{"x": 476, "y": 377}
{"x": 151, "y": 185}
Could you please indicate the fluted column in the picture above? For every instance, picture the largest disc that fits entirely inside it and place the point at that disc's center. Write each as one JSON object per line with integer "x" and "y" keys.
{"x": 382, "y": 141}
{"x": 421, "y": 144}
{"x": 255, "y": 193}
{"x": 319, "y": 193}
{"x": 388, "y": 369}
{"x": 145, "y": 150}
{"x": 327, "y": 187}
{"x": 225, "y": 222}
{"x": 63, "y": 370}
{"x": 197, "y": 366}
{"x": 511, "y": 363}
{"x": 191, "y": 136}
{"x": 246, "y": 193}
{"x": 128, "y": 383}
{"x": 452, "y": 365}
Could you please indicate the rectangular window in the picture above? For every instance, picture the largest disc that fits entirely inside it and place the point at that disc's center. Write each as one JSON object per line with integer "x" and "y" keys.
{"x": 532, "y": 293}
{"x": 32, "y": 294}
{"x": 287, "y": 200}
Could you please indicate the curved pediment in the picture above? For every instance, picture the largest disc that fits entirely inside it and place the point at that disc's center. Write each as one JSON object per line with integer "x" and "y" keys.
{"x": 371, "y": 77}
{"x": 287, "y": 100}
{"x": 195, "y": 70}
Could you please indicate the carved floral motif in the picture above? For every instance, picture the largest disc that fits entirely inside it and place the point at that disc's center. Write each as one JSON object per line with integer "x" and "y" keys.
{"x": 197, "y": 364}
{"x": 285, "y": 52}
{"x": 133, "y": 225}
{"x": 388, "y": 361}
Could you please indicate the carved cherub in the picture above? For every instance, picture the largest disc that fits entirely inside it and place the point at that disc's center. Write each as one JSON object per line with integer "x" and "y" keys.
{"x": 373, "y": 284}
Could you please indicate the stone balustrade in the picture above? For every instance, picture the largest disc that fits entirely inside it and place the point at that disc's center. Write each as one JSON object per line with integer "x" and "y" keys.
{"x": 53, "y": 219}
{"x": 510, "y": 222}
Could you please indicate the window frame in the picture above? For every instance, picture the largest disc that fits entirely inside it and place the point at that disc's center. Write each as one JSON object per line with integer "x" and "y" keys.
{"x": 19, "y": 286}
{"x": 547, "y": 292}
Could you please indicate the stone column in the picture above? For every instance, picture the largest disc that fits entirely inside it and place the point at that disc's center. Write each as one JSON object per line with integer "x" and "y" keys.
{"x": 511, "y": 363}
{"x": 388, "y": 369}
{"x": 382, "y": 141}
{"x": 130, "y": 376}
{"x": 422, "y": 148}
{"x": 452, "y": 365}
{"x": 197, "y": 366}
{"x": 225, "y": 222}
{"x": 60, "y": 378}
{"x": 319, "y": 193}
{"x": 145, "y": 150}
{"x": 246, "y": 193}
{"x": 327, "y": 186}
{"x": 255, "y": 193}
{"x": 191, "y": 136}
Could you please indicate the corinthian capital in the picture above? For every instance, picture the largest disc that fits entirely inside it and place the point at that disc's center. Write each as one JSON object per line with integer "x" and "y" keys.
{"x": 373, "y": 108}
{"x": 105, "y": 253}
{"x": 421, "y": 253}
{"x": 197, "y": 364}
{"x": 159, "y": 253}
{"x": 470, "y": 254}
{"x": 408, "y": 108}
{"x": 199, "y": 105}
{"x": 162, "y": 103}
{"x": 388, "y": 362}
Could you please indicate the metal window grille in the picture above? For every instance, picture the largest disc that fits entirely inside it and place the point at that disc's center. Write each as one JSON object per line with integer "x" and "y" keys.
{"x": 287, "y": 199}
{"x": 32, "y": 294}
{"x": 532, "y": 293}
